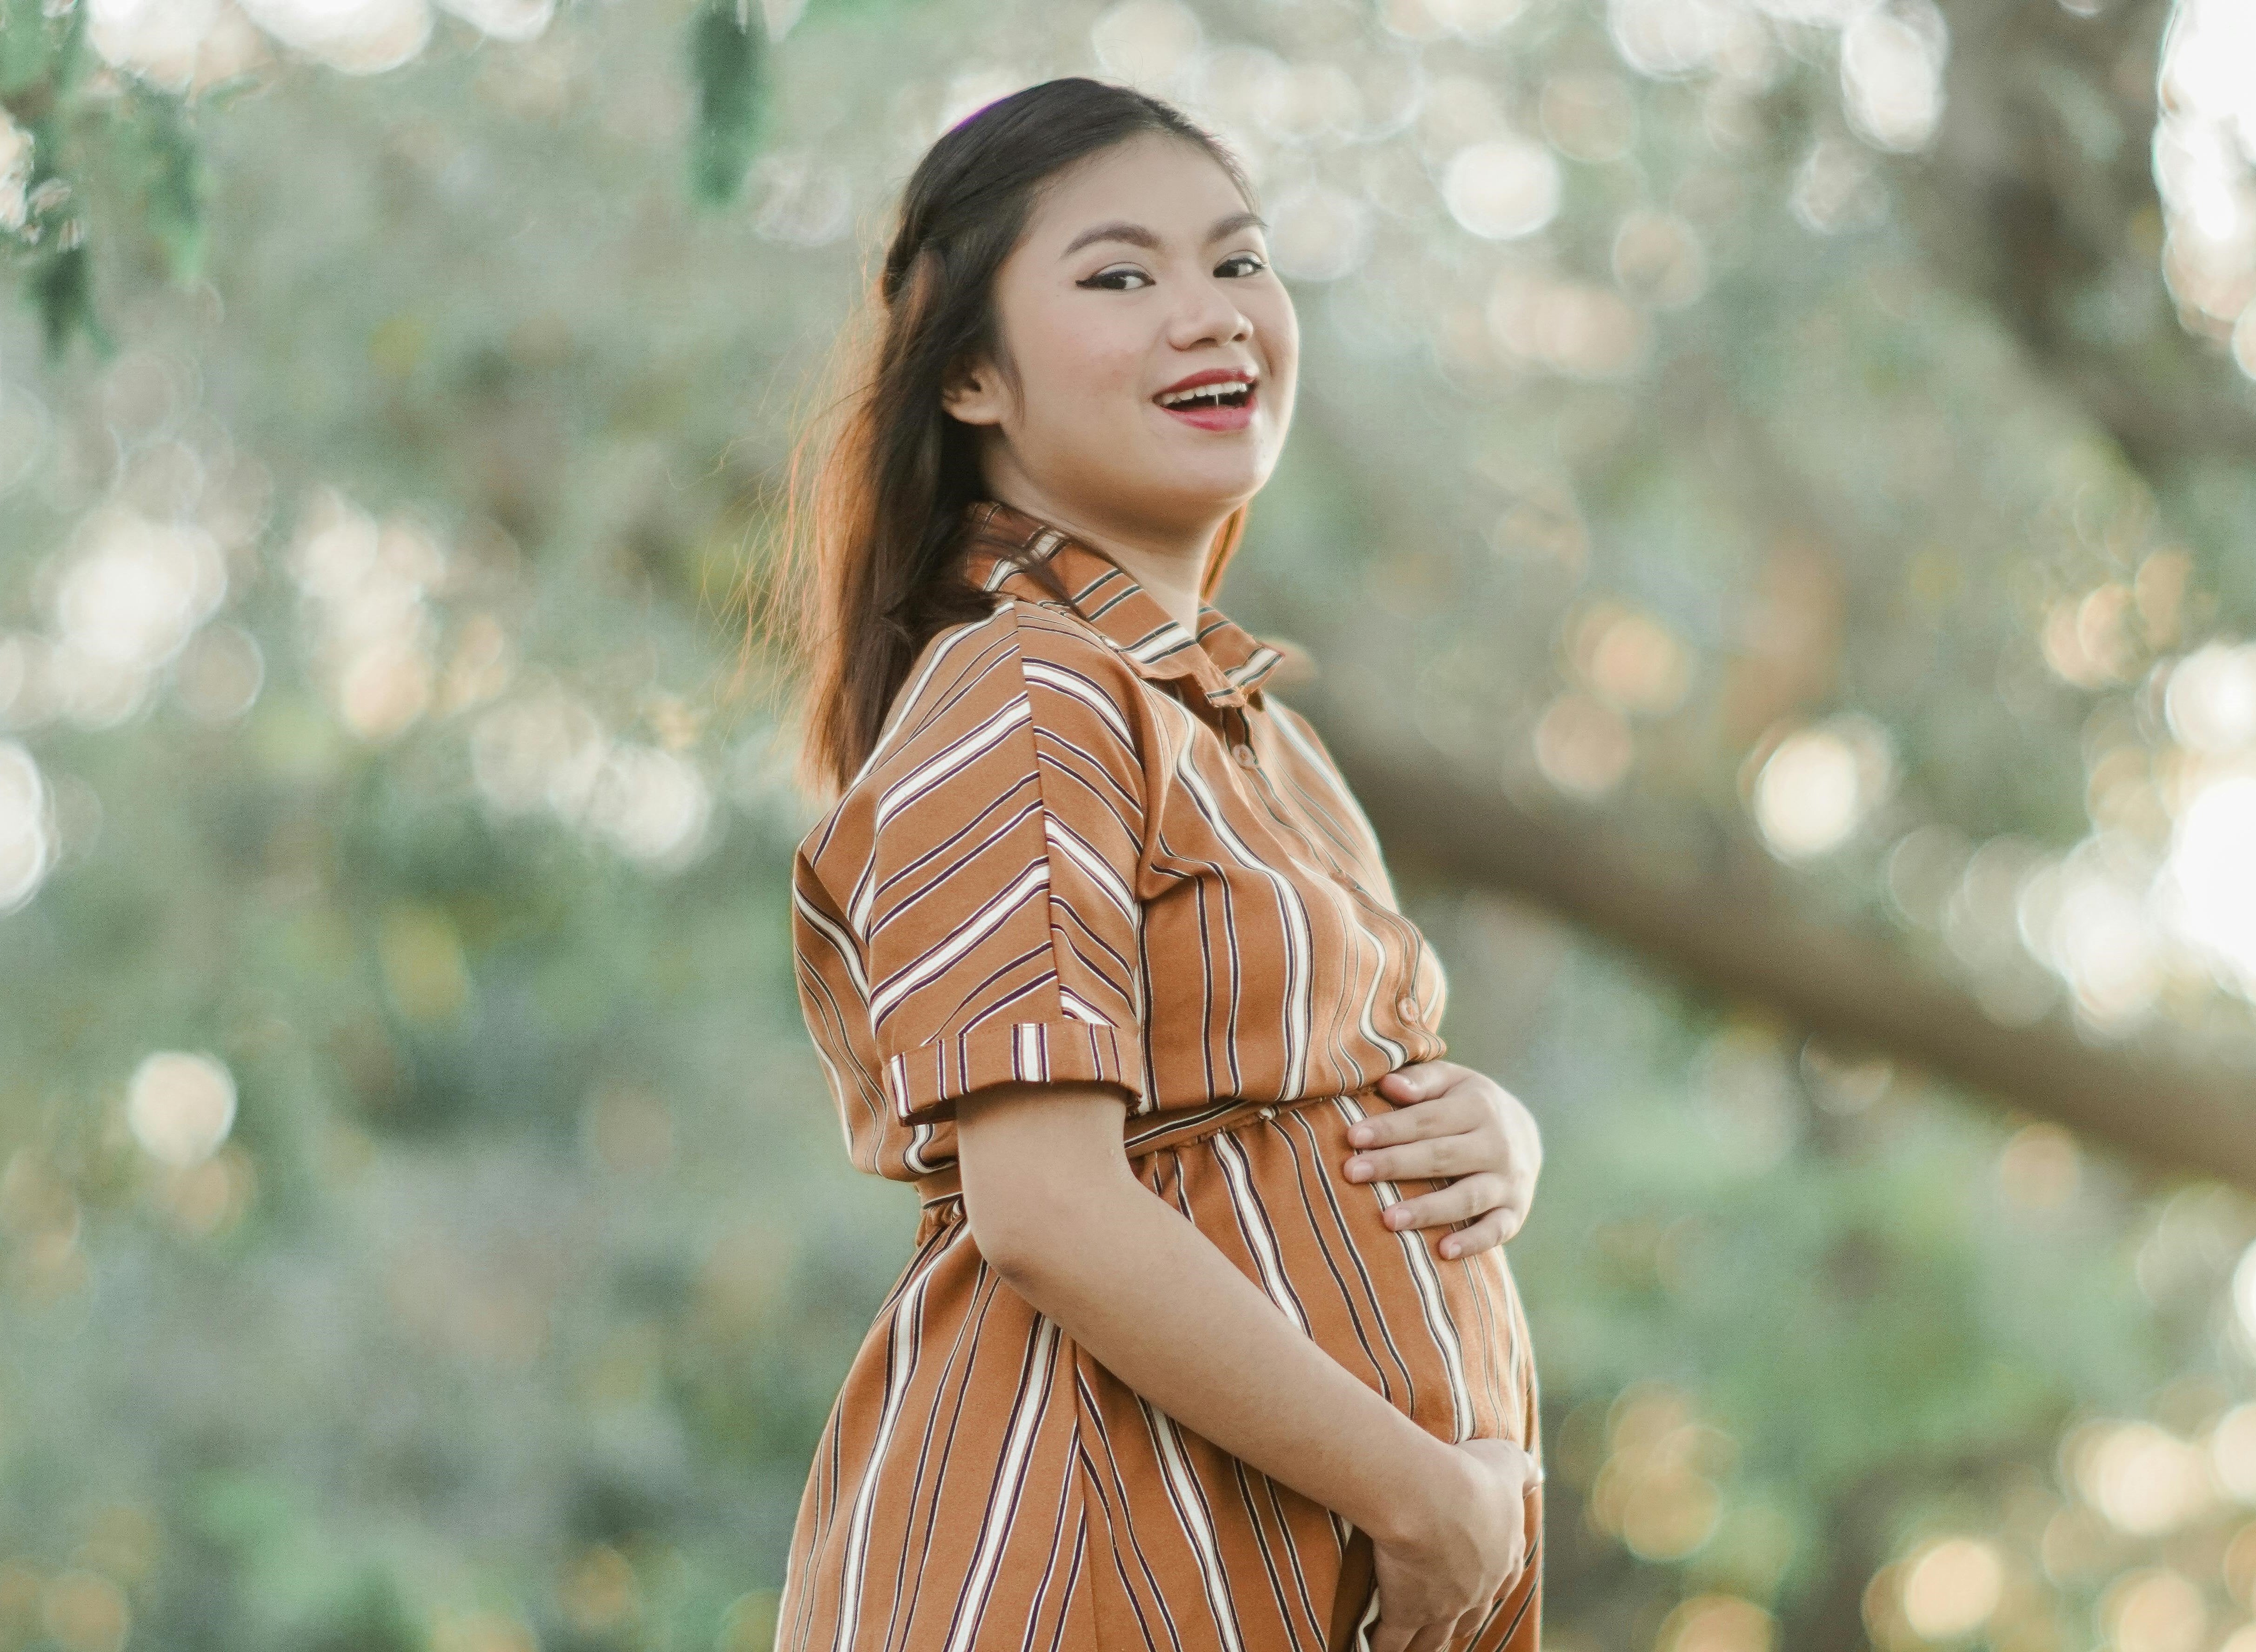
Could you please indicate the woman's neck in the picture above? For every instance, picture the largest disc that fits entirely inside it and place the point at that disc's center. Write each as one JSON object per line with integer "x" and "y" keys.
{"x": 1170, "y": 565}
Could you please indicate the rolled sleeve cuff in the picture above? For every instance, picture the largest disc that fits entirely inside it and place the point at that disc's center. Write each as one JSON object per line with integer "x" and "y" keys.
{"x": 923, "y": 1084}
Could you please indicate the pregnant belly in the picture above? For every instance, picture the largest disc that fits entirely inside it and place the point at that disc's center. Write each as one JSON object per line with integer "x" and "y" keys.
{"x": 1444, "y": 1341}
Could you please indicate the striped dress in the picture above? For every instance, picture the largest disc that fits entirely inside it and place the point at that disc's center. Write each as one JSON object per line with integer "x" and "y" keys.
{"x": 1089, "y": 847}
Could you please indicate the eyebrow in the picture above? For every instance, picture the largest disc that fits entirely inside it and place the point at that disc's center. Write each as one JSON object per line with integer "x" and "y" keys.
{"x": 1137, "y": 235}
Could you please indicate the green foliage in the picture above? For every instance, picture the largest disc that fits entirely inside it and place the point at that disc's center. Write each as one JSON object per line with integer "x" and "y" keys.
{"x": 158, "y": 155}
{"x": 44, "y": 61}
{"x": 728, "y": 48}
{"x": 42, "y": 55}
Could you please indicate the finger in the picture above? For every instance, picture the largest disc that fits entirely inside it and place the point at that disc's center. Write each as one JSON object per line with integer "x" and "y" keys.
{"x": 1484, "y": 1234}
{"x": 1455, "y": 1153}
{"x": 1395, "y": 1637}
{"x": 1431, "y": 1637}
{"x": 1419, "y": 1079}
{"x": 1460, "y": 1201}
{"x": 1468, "y": 1625}
{"x": 1451, "y": 1113}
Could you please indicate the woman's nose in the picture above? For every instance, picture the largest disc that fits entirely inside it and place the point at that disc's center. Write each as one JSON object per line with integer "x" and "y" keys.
{"x": 1210, "y": 314}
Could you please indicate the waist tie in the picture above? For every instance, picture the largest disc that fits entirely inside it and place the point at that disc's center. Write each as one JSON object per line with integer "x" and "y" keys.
{"x": 1149, "y": 1135}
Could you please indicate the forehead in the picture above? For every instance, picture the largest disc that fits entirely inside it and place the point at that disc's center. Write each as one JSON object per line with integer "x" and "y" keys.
{"x": 1167, "y": 184}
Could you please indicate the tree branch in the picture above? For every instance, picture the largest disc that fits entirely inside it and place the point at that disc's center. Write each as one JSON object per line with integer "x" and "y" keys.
{"x": 1750, "y": 941}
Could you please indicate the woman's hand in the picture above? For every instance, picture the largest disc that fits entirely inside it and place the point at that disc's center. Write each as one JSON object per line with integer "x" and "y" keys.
{"x": 1449, "y": 1120}
{"x": 1468, "y": 1549}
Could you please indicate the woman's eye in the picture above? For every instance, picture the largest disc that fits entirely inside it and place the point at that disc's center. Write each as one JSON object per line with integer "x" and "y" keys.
{"x": 1115, "y": 279}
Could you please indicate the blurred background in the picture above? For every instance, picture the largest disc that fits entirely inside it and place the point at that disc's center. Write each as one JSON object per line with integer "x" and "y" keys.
{"x": 1771, "y": 507}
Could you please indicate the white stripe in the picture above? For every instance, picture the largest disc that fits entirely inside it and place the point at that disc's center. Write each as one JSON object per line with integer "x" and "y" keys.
{"x": 1362, "y": 1625}
{"x": 850, "y": 951}
{"x": 913, "y": 786}
{"x": 944, "y": 644}
{"x": 1285, "y": 721}
{"x": 949, "y": 759}
{"x": 1259, "y": 661}
{"x": 1017, "y": 1458}
{"x": 1397, "y": 1053}
{"x": 1100, "y": 871}
{"x": 1300, "y": 942}
{"x": 914, "y": 1157}
{"x": 1429, "y": 1298}
{"x": 899, "y": 1367}
{"x": 1254, "y": 1223}
{"x": 1081, "y": 688}
{"x": 982, "y": 923}
{"x": 1078, "y": 1010}
{"x": 1183, "y": 1490}
{"x": 1167, "y": 639}
{"x": 897, "y": 1082}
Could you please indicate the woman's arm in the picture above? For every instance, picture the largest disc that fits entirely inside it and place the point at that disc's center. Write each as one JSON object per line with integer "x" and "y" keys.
{"x": 1057, "y": 1212}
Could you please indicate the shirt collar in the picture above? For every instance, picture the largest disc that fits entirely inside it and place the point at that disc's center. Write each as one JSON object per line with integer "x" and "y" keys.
{"x": 1225, "y": 663}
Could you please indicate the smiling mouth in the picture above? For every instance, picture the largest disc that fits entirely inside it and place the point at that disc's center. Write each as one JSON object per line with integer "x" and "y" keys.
{"x": 1207, "y": 397}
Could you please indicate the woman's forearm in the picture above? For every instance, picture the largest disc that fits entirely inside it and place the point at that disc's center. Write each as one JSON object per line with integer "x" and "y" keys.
{"x": 1159, "y": 1306}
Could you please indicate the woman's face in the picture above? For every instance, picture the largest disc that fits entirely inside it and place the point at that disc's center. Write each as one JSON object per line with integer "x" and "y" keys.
{"x": 1140, "y": 268}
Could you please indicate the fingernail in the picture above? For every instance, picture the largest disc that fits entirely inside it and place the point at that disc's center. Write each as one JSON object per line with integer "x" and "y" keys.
{"x": 1359, "y": 1136}
{"x": 1357, "y": 1167}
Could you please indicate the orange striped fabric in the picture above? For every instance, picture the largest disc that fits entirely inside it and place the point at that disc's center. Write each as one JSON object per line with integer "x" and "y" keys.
{"x": 1088, "y": 846}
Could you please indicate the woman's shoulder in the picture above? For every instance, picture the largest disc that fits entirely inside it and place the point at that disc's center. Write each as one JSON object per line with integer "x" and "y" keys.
{"x": 1036, "y": 660}
{"x": 972, "y": 684}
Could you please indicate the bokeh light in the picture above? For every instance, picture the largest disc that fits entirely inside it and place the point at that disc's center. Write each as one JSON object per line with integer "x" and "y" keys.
{"x": 181, "y": 1105}
{"x": 2141, "y": 1478}
{"x": 2204, "y": 145}
{"x": 2209, "y": 883}
{"x": 1952, "y": 1586}
{"x": 2211, "y": 697}
{"x": 26, "y": 838}
{"x": 1818, "y": 784}
{"x": 2155, "y": 1609}
{"x": 1891, "y": 61}
{"x": 1502, "y": 188}
{"x": 1715, "y": 1623}
{"x": 1656, "y": 1490}
{"x": 2244, "y": 1295}
{"x": 2232, "y": 1443}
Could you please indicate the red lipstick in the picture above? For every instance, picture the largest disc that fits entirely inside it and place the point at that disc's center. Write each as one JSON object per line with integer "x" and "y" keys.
{"x": 1230, "y": 408}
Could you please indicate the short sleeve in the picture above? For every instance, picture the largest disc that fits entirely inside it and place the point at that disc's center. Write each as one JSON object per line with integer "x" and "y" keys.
{"x": 1000, "y": 912}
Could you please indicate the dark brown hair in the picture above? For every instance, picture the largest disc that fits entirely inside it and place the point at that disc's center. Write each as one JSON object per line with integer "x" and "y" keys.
{"x": 868, "y": 567}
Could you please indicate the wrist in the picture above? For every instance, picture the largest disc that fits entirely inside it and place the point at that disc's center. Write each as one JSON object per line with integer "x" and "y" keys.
{"x": 1433, "y": 1495}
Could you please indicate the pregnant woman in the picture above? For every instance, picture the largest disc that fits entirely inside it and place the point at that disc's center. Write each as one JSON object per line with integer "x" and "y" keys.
{"x": 1208, "y": 1343}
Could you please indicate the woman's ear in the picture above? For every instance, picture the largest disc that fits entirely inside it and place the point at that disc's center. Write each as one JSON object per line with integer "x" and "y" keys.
{"x": 972, "y": 392}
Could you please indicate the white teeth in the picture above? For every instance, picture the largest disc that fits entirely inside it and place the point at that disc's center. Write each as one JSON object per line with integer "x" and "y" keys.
{"x": 1225, "y": 387}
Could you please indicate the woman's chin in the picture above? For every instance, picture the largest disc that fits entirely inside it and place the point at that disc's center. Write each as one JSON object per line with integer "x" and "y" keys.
{"x": 1211, "y": 481}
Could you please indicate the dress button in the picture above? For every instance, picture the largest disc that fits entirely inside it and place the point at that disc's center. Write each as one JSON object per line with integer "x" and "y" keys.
{"x": 1408, "y": 1005}
{"x": 1244, "y": 753}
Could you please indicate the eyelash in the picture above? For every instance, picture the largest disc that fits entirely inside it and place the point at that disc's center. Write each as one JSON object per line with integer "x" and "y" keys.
{"x": 1096, "y": 280}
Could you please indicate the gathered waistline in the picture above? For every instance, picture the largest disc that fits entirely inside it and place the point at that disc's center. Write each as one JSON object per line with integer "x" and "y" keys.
{"x": 947, "y": 1183}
